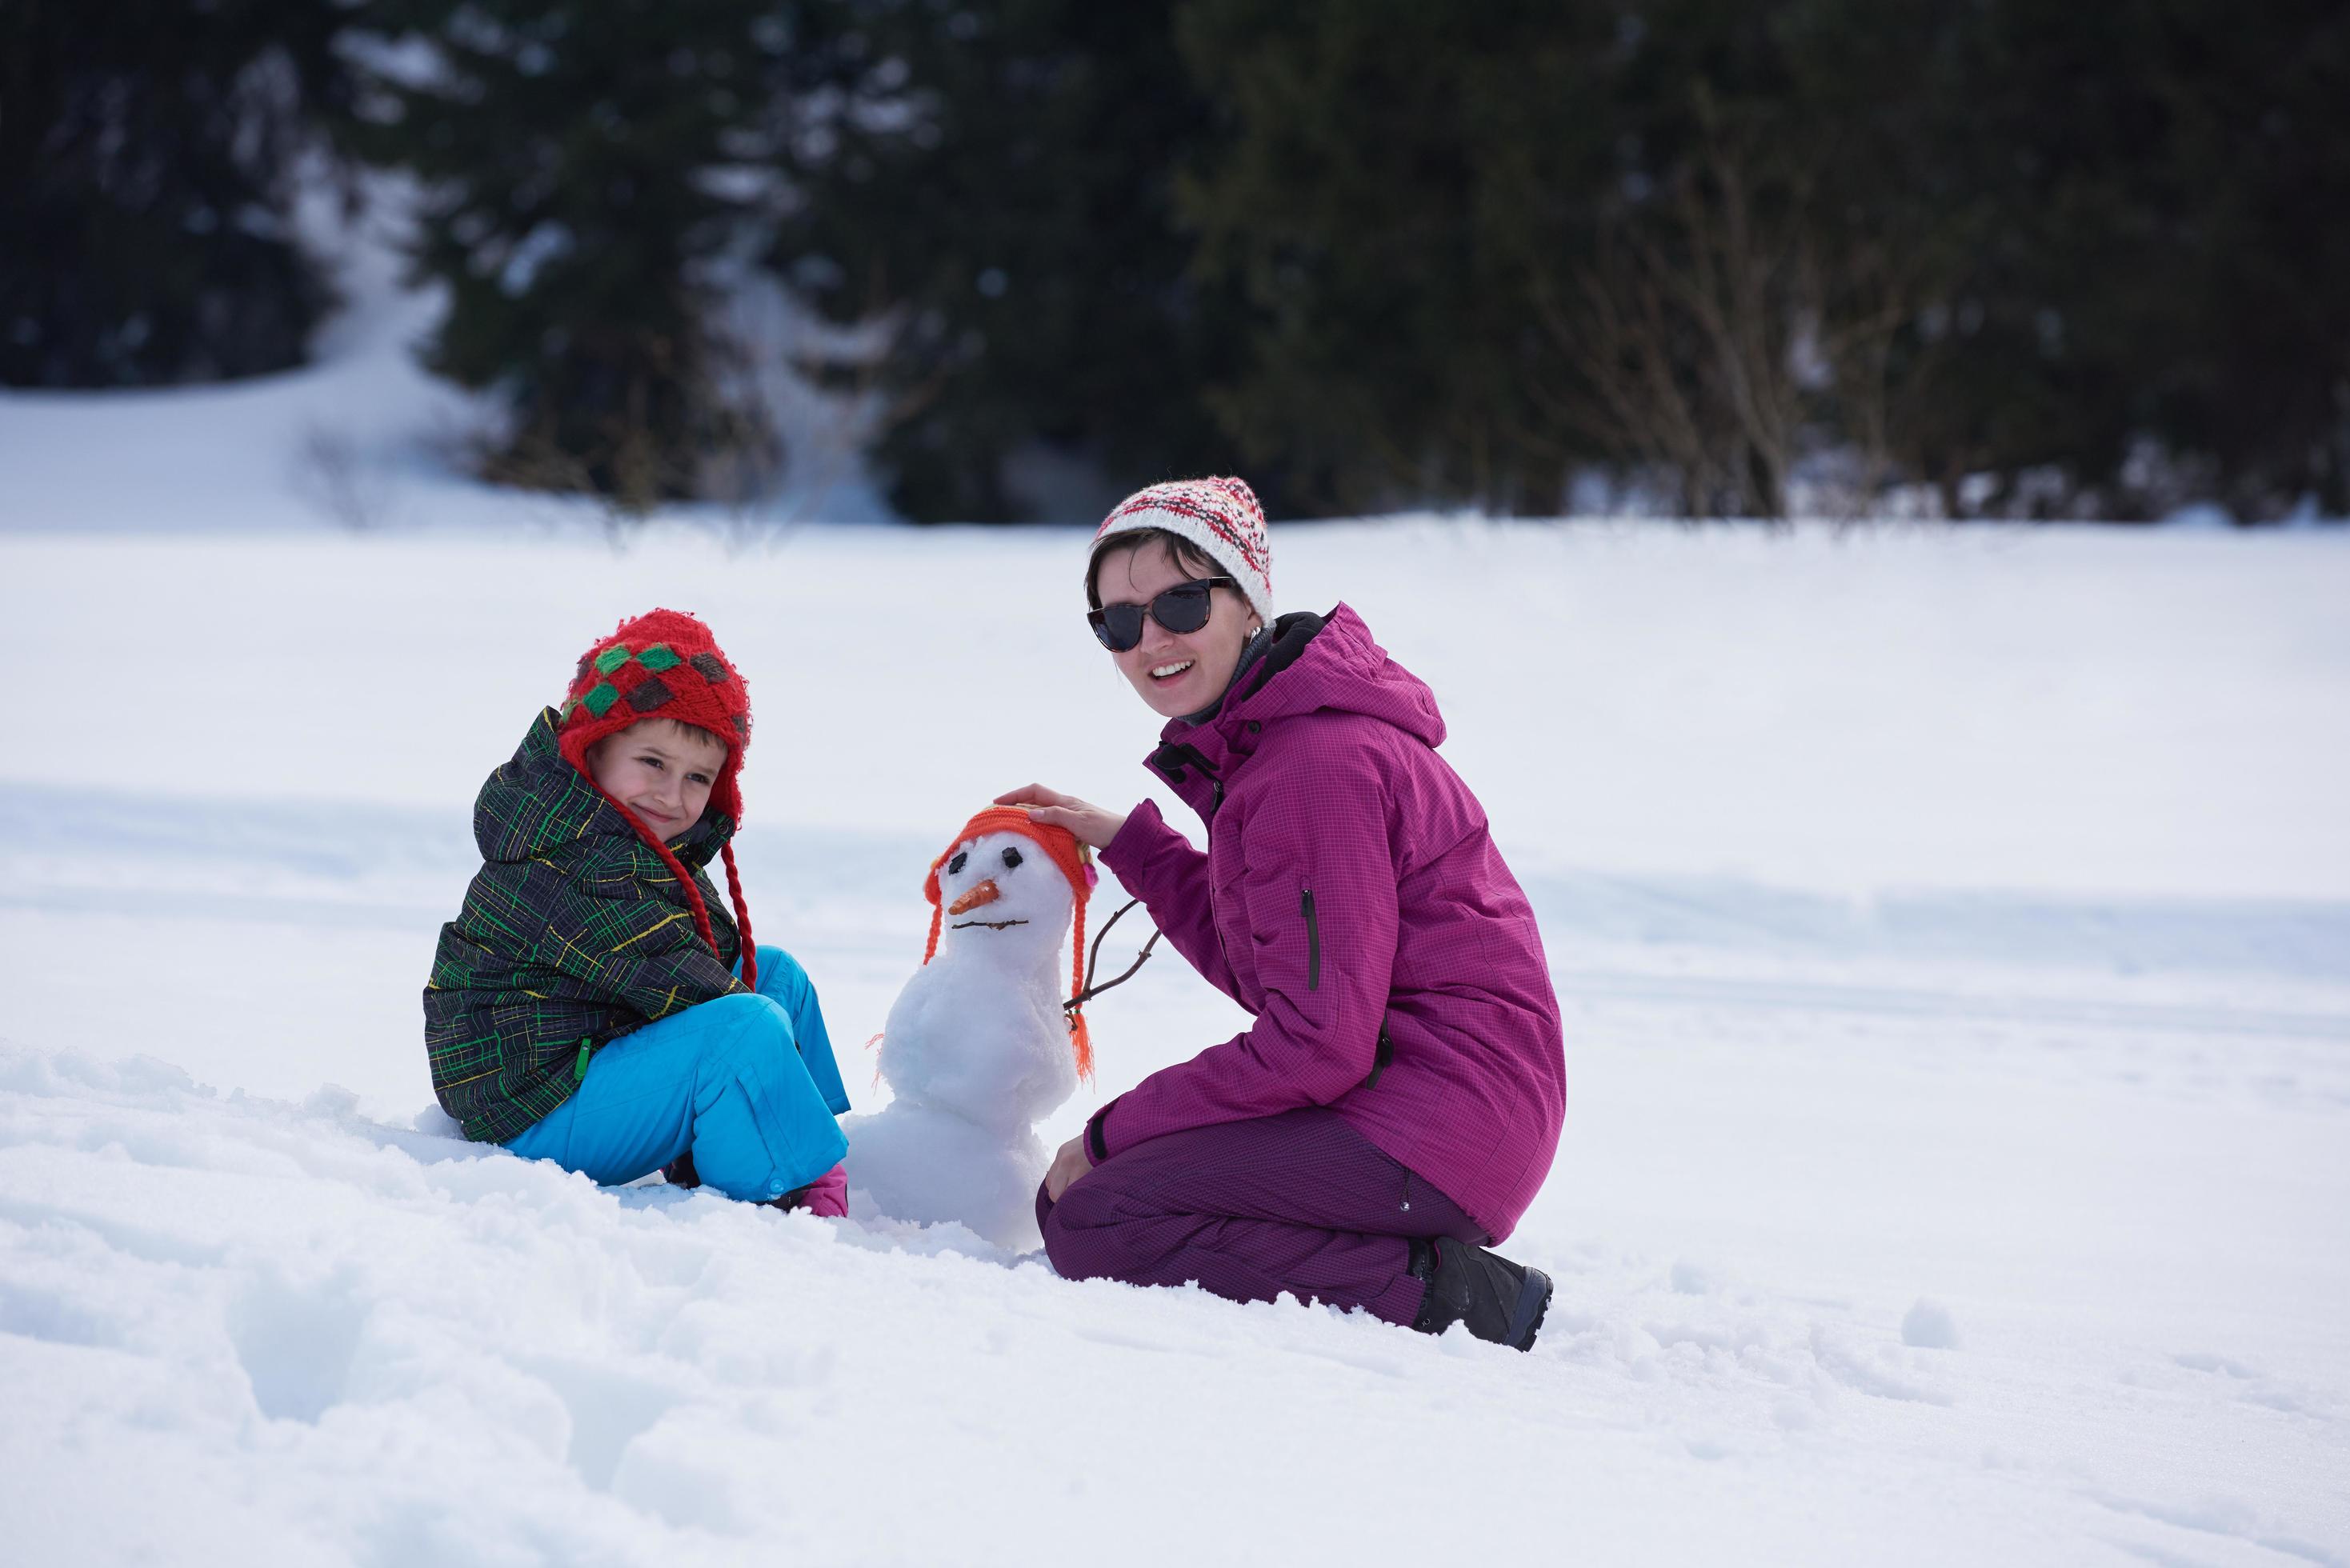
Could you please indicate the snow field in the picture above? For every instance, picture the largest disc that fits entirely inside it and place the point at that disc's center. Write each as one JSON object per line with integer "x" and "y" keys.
{"x": 1953, "y": 932}
{"x": 293, "y": 1334}
{"x": 2071, "y": 710}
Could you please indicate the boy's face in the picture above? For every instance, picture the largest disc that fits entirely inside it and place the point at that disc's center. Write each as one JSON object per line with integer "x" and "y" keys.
{"x": 661, "y": 770}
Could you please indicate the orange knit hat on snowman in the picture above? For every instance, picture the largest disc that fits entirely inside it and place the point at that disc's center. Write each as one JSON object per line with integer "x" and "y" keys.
{"x": 1075, "y": 863}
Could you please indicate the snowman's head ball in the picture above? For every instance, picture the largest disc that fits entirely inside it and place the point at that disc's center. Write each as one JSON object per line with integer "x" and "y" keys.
{"x": 1003, "y": 885}
{"x": 1008, "y": 878}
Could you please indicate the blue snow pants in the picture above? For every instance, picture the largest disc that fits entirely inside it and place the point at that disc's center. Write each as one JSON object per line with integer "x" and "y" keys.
{"x": 746, "y": 1082}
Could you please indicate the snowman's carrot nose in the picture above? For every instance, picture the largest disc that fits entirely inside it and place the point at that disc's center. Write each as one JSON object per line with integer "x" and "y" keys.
{"x": 986, "y": 893}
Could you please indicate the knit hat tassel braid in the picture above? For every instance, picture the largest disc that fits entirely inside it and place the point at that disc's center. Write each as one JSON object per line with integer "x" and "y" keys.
{"x": 666, "y": 665}
{"x": 1081, "y": 1039}
{"x": 750, "y": 947}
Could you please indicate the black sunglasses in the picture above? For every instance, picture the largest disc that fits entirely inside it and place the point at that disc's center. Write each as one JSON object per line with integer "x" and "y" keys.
{"x": 1183, "y": 607}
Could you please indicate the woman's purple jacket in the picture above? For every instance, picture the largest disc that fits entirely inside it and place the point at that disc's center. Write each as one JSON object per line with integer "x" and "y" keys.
{"x": 1352, "y": 900}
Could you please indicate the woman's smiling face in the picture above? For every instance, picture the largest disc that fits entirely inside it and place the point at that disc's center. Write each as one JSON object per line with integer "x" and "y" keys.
{"x": 1176, "y": 673}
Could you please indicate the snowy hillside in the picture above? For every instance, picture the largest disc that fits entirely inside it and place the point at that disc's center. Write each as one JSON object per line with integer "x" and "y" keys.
{"x": 1953, "y": 929}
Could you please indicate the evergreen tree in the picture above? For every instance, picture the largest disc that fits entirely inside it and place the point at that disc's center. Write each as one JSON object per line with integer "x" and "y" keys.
{"x": 2155, "y": 308}
{"x": 147, "y": 163}
{"x": 589, "y": 170}
{"x": 1385, "y": 177}
{"x": 998, "y": 181}
{"x": 2047, "y": 260}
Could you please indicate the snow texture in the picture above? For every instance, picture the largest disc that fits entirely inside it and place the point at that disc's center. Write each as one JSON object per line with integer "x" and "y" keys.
{"x": 1952, "y": 929}
{"x": 1927, "y": 1325}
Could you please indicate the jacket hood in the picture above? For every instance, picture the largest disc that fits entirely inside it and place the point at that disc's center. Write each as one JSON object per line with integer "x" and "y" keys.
{"x": 537, "y": 804}
{"x": 1315, "y": 664}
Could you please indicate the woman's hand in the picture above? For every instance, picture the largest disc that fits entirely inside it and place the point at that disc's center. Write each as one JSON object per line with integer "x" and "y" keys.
{"x": 1068, "y": 1166}
{"x": 1091, "y": 823}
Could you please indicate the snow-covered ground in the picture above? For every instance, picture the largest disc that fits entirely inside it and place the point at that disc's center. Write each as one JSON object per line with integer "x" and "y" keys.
{"x": 1953, "y": 929}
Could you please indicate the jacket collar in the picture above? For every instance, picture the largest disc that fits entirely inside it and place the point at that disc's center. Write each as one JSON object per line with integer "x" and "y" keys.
{"x": 1194, "y": 757}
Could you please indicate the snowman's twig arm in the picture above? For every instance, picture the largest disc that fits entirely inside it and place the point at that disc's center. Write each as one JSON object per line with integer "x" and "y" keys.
{"x": 1093, "y": 963}
{"x": 1093, "y": 957}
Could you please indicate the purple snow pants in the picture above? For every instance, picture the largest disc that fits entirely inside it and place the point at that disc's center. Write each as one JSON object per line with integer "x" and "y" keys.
{"x": 1299, "y": 1202}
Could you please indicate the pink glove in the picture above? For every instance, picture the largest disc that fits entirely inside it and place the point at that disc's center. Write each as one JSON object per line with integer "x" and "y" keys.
{"x": 828, "y": 1194}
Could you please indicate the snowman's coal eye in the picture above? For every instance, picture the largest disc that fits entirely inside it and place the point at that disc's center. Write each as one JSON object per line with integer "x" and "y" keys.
{"x": 955, "y": 865}
{"x": 1011, "y": 858}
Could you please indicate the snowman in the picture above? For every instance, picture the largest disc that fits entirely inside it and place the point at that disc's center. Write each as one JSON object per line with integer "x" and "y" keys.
{"x": 978, "y": 1046}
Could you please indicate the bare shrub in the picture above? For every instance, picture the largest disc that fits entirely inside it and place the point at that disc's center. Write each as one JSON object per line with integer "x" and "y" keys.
{"x": 1721, "y": 341}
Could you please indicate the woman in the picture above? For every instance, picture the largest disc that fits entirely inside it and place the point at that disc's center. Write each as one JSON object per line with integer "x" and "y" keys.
{"x": 1396, "y": 1102}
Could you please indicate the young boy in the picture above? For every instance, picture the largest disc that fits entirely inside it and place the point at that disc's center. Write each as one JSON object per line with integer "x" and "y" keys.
{"x": 585, "y": 1005}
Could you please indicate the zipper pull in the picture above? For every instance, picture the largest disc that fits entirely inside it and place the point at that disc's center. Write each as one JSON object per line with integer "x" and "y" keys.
{"x": 579, "y": 1067}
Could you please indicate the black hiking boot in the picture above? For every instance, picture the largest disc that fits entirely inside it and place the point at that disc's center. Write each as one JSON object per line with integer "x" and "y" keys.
{"x": 1501, "y": 1301}
{"x": 792, "y": 1199}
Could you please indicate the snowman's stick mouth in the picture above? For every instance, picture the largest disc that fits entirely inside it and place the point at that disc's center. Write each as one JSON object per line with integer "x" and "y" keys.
{"x": 991, "y": 925}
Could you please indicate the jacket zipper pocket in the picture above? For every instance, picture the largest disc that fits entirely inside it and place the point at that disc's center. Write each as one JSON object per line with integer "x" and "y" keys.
{"x": 1312, "y": 943}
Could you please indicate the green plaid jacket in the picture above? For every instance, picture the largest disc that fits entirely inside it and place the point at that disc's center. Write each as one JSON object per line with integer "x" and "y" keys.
{"x": 574, "y": 934}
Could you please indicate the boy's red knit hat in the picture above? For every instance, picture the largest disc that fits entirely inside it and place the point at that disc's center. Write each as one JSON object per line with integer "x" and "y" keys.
{"x": 666, "y": 665}
{"x": 1075, "y": 863}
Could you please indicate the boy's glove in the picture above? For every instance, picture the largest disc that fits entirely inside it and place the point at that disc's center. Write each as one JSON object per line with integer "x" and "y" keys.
{"x": 828, "y": 1194}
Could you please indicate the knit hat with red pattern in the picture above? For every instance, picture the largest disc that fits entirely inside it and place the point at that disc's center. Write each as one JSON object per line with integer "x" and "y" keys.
{"x": 666, "y": 665}
{"x": 1220, "y": 515}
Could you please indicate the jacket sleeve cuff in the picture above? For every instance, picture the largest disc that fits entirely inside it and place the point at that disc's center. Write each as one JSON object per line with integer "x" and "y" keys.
{"x": 1137, "y": 838}
{"x": 1098, "y": 1135}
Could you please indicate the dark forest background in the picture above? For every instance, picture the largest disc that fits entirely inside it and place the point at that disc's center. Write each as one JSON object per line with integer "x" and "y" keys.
{"x": 2038, "y": 260}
